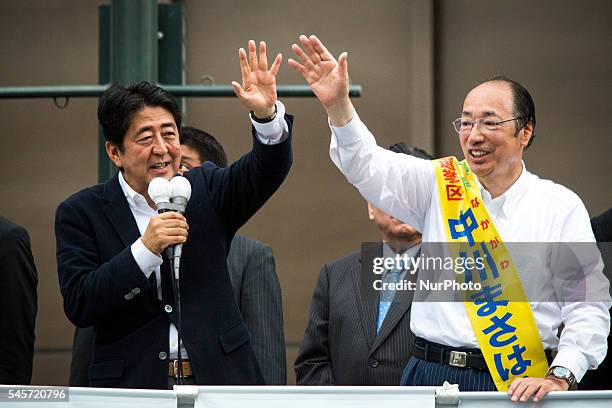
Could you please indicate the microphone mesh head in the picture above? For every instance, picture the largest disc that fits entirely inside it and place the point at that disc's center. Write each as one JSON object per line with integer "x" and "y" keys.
{"x": 160, "y": 190}
{"x": 181, "y": 187}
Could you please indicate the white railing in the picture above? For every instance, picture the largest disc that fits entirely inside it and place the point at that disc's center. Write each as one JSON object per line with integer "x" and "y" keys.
{"x": 286, "y": 397}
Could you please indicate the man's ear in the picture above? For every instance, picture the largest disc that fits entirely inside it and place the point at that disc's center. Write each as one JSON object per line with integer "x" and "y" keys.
{"x": 371, "y": 211}
{"x": 113, "y": 153}
{"x": 525, "y": 134}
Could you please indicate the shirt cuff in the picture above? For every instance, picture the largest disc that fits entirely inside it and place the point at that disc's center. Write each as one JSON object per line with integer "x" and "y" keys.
{"x": 146, "y": 260}
{"x": 573, "y": 361}
{"x": 275, "y": 131}
{"x": 349, "y": 133}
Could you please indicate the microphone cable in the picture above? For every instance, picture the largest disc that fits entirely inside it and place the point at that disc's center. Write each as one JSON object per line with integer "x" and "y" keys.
{"x": 175, "y": 266}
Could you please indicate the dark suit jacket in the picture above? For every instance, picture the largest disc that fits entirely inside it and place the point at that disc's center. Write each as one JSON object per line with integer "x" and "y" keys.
{"x": 258, "y": 293}
{"x": 601, "y": 378}
{"x": 340, "y": 346}
{"x": 18, "y": 304}
{"x": 103, "y": 286}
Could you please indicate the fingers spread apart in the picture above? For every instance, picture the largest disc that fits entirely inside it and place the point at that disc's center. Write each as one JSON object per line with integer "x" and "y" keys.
{"x": 263, "y": 58}
{"x": 276, "y": 64}
{"x": 257, "y": 62}
{"x": 245, "y": 70}
{"x": 304, "y": 59}
{"x": 310, "y": 50}
{"x": 321, "y": 50}
{"x": 253, "y": 56}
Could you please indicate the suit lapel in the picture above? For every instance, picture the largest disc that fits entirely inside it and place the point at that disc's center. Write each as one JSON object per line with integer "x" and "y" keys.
{"x": 118, "y": 213}
{"x": 367, "y": 297}
{"x": 400, "y": 306}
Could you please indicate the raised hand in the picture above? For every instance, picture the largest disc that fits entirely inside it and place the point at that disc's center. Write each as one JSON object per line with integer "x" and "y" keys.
{"x": 258, "y": 90}
{"x": 327, "y": 77}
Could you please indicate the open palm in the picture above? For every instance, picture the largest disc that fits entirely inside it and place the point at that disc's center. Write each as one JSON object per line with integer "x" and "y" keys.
{"x": 327, "y": 77}
{"x": 258, "y": 89}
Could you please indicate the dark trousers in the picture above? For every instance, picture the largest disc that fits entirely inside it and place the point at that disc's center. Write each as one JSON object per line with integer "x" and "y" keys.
{"x": 429, "y": 373}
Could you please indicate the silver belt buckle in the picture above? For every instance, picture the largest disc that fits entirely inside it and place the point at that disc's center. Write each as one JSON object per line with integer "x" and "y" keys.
{"x": 175, "y": 368}
{"x": 458, "y": 359}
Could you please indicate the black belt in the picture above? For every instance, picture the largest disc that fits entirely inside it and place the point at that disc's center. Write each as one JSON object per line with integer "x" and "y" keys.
{"x": 454, "y": 356}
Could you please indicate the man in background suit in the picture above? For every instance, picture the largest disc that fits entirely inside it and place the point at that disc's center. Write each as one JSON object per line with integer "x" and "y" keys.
{"x": 357, "y": 335}
{"x": 600, "y": 379}
{"x": 252, "y": 273}
{"x": 18, "y": 280}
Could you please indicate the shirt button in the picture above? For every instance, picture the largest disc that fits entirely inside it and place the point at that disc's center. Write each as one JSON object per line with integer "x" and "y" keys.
{"x": 168, "y": 308}
{"x": 373, "y": 363}
{"x": 173, "y": 344}
{"x": 129, "y": 296}
{"x": 162, "y": 355}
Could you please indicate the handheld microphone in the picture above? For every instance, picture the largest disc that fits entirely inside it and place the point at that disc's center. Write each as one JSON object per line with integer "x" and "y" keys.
{"x": 181, "y": 193}
{"x": 171, "y": 196}
{"x": 160, "y": 192}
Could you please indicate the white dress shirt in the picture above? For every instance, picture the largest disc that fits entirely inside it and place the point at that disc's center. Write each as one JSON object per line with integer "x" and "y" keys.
{"x": 531, "y": 210}
{"x": 269, "y": 133}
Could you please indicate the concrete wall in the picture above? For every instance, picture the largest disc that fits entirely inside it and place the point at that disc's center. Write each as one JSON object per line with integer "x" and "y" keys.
{"x": 556, "y": 48}
{"x": 559, "y": 50}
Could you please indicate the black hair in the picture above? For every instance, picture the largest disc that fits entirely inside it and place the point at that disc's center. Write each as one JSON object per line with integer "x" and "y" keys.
{"x": 522, "y": 105}
{"x": 412, "y": 151}
{"x": 208, "y": 148}
{"x": 119, "y": 104}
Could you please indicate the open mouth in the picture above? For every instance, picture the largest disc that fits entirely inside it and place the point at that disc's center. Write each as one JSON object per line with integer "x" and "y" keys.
{"x": 160, "y": 166}
{"x": 478, "y": 154}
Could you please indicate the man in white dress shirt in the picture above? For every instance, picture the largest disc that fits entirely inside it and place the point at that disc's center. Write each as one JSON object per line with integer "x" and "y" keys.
{"x": 496, "y": 126}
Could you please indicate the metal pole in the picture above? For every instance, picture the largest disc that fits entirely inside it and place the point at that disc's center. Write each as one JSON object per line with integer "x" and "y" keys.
{"x": 129, "y": 38}
{"x": 84, "y": 91}
{"x": 134, "y": 41}
{"x": 133, "y": 54}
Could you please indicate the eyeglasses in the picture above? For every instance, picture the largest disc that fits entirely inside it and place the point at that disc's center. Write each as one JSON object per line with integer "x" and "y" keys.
{"x": 462, "y": 125}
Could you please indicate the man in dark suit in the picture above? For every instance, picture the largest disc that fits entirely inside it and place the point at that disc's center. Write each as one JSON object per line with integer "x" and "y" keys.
{"x": 110, "y": 240}
{"x": 252, "y": 274}
{"x": 357, "y": 335}
{"x": 252, "y": 271}
{"x": 258, "y": 293}
{"x": 599, "y": 379}
{"x": 18, "y": 280}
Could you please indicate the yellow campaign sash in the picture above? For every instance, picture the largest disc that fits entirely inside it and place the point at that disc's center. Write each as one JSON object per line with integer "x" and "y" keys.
{"x": 500, "y": 315}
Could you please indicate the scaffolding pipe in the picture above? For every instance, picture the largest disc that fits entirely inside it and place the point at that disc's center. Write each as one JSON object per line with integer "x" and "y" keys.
{"x": 134, "y": 40}
{"x": 90, "y": 91}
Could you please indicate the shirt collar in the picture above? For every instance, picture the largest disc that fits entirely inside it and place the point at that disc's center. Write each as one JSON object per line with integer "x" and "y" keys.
{"x": 411, "y": 252}
{"x": 134, "y": 199}
{"x": 513, "y": 195}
